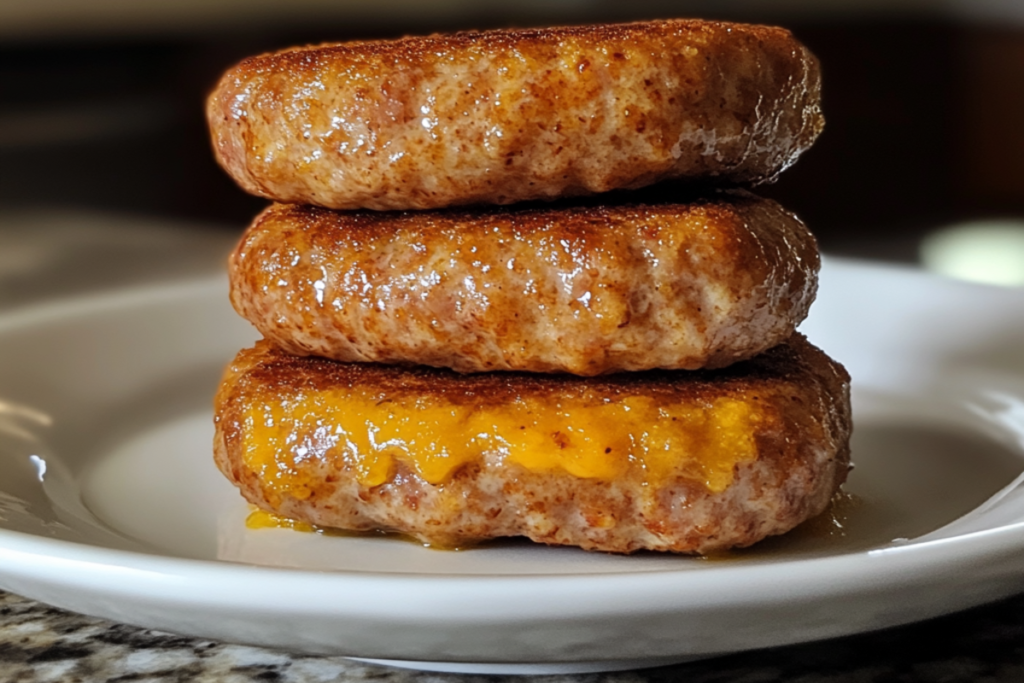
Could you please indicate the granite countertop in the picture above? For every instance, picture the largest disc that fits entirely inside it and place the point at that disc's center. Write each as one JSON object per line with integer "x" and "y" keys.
{"x": 42, "y": 644}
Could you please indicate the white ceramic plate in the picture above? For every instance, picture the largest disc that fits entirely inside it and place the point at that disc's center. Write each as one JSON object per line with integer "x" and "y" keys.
{"x": 110, "y": 504}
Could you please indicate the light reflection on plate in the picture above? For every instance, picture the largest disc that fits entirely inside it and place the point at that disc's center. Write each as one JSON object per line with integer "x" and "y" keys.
{"x": 132, "y": 522}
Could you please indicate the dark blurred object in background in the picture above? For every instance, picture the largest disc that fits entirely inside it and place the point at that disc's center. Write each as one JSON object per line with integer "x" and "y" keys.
{"x": 101, "y": 107}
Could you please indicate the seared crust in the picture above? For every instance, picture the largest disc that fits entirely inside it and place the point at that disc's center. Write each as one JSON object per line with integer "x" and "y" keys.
{"x": 800, "y": 398}
{"x": 506, "y": 116}
{"x": 581, "y": 289}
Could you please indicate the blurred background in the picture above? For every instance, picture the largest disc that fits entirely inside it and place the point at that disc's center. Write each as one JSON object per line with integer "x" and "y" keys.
{"x": 102, "y": 130}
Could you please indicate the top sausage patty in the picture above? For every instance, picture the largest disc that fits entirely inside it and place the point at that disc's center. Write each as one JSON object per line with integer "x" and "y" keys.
{"x": 506, "y": 116}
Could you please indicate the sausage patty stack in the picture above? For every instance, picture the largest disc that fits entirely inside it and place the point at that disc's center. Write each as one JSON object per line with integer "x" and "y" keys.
{"x": 466, "y": 339}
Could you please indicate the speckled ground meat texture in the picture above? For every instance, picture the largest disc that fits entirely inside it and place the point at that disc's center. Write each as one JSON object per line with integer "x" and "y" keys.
{"x": 581, "y": 289}
{"x": 802, "y": 439}
{"x": 505, "y": 116}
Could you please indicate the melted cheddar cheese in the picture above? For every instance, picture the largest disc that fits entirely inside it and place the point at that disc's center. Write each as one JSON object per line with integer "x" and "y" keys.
{"x": 292, "y": 444}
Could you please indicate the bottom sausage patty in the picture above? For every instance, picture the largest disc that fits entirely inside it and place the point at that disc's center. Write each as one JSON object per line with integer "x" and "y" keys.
{"x": 678, "y": 461}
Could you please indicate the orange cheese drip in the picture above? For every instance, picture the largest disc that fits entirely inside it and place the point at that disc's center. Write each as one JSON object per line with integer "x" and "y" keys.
{"x": 291, "y": 444}
{"x": 261, "y": 519}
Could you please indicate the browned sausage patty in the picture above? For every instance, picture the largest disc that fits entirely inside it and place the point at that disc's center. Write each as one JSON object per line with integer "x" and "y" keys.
{"x": 581, "y": 289}
{"x": 505, "y": 116}
{"x": 678, "y": 461}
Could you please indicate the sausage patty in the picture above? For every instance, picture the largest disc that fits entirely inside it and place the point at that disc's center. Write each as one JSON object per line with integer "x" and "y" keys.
{"x": 506, "y": 116}
{"x": 664, "y": 460}
{"x": 586, "y": 289}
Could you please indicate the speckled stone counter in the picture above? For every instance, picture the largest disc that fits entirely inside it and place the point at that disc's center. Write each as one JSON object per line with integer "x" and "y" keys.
{"x": 42, "y": 644}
